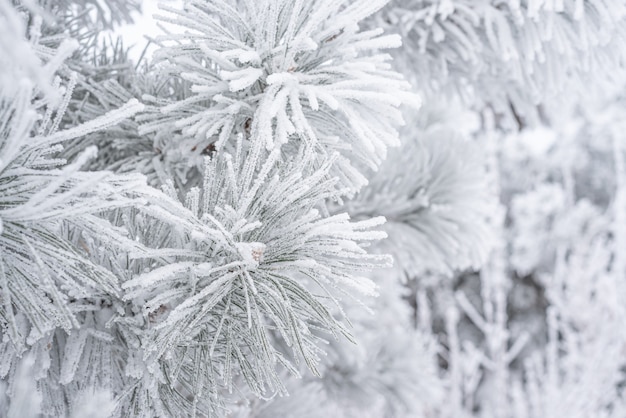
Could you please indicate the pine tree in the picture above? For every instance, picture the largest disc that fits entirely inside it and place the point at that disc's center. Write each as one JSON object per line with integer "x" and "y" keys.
{"x": 117, "y": 287}
{"x": 243, "y": 225}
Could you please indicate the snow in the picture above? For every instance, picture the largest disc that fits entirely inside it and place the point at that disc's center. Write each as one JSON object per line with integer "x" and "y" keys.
{"x": 381, "y": 208}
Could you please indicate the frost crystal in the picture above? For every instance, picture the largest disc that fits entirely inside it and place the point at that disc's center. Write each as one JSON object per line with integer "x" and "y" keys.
{"x": 282, "y": 71}
{"x": 208, "y": 231}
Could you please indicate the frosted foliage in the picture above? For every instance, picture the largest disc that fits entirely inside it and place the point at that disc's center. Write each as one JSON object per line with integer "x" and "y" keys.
{"x": 552, "y": 220}
{"x": 383, "y": 380}
{"x": 433, "y": 192}
{"x": 518, "y": 52}
{"x": 94, "y": 14}
{"x": 40, "y": 270}
{"x": 536, "y": 210}
{"x": 26, "y": 61}
{"x": 577, "y": 372}
{"x": 540, "y": 333}
{"x": 245, "y": 277}
{"x": 249, "y": 263}
{"x": 279, "y": 71}
{"x": 210, "y": 232}
{"x": 394, "y": 376}
{"x": 48, "y": 210}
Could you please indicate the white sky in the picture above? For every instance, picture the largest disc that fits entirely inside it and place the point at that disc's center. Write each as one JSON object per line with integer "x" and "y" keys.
{"x": 145, "y": 25}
